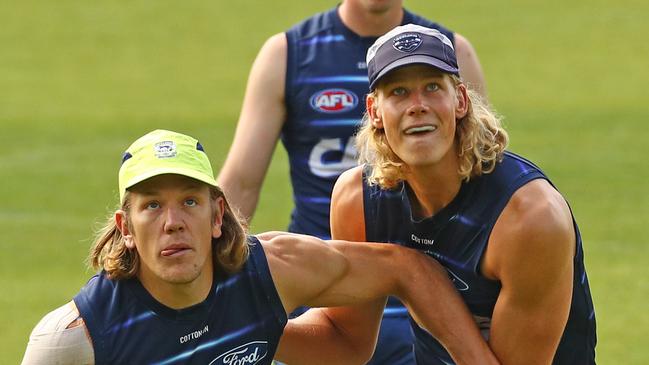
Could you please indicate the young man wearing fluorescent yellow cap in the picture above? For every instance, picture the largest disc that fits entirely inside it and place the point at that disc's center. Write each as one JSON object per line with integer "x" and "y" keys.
{"x": 181, "y": 283}
{"x": 437, "y": 178}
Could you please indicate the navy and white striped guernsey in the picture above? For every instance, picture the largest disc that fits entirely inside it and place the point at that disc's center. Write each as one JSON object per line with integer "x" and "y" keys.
{"x": 457, "y": 237}
{"x": 326, "y": 84}
{"x": 240, "y": 322}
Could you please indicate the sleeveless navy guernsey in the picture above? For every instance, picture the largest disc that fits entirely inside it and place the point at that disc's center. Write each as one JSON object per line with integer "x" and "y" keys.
{"x": 325, "y": 87}
{"x": 326, "y": 84}
{"x": 240, "y": 322}
{"x": 457, "y": 237}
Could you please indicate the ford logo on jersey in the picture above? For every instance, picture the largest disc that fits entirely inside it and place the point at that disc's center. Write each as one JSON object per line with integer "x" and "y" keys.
{"x": 248, "y": 354}
{"x": 334, "y": 101}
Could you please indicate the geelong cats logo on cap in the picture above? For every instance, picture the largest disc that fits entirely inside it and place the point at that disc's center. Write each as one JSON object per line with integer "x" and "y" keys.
{"x": 165, "y": 149}
{"x": 407, "y": 42}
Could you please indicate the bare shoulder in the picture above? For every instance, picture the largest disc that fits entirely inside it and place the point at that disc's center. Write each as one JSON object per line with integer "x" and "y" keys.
{"x": 348, "y": 190}
{"x": 60, "y": 319}
{"x": 350, "y": 180}
{"x": 273, "y": 55}
{"x": 276, "y": 44}
{"x": 270, "y": 64}
{"x": 541, "y": 209}
{"x": 536, "y": 226}
{"x": 347, "y": 217}
{"x": 464, "y": 49}
{"x": 60, "y": 337}
{"x": 461, "y": 42}
{"x": 470, "y": 67}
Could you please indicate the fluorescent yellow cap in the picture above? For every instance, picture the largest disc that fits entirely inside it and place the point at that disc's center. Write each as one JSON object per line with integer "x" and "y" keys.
{"x": 164, "y": 152}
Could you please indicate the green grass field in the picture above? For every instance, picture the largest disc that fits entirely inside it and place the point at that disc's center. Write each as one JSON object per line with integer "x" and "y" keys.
{"x": 80, "y": 80}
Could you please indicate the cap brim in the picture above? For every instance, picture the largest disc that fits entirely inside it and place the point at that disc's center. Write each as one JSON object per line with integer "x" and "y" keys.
{"x": 413, "y": 60}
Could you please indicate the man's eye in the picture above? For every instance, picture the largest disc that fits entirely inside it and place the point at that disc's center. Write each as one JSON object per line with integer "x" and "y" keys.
{"x": 190, "y": 202}
{"x": 399, "y": 91}
{"x": 432, "y": 86}
{"x": 153, "y": 205}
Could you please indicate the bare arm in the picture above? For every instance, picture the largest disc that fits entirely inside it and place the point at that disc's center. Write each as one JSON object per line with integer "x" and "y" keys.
{"x": 60, "y": 338}
{"x": 331, "y": 273}
{"x": 260, "y": 122}
{"x": 470, "y": 68}
{"x": 531, "y": 252}
{"x": 349, "y": 341}
{"x": 363, "y": 274}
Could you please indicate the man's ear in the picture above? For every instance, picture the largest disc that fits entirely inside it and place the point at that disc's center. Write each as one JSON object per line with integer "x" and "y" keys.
{"x": 461, "y": 101}
{"x": 218, "y": 217}
{"x": 371, "y": 105}
{"x": 122, "y": 225}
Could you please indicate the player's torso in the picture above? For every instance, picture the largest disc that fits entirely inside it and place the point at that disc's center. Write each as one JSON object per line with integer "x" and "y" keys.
{"x": 326, "y": 85}
{"x": 236, "y": 324}
{"x": 457, "y": 237}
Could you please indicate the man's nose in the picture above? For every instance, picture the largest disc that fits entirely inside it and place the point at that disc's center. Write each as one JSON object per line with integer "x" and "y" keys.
{"x": 418, "y": 104}
{"x": 174, "y": 220}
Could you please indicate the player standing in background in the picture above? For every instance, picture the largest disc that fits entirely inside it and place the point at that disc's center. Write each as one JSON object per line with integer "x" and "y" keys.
{"x": 437, "y": 178}
{"x": 308, "y": 87}
{"x": 180, "y": 282}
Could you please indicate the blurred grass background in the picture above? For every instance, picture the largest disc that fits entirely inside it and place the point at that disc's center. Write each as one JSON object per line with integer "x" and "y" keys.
{"x": 80, "y": 80}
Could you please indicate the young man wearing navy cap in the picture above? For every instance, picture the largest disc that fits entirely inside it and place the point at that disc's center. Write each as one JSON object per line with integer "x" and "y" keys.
{"x": 180, "y": 282}
{"x": 307, "y": 88}
{"x": 437, "y": 178}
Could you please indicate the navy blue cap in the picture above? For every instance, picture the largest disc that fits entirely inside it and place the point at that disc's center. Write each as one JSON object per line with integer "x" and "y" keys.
{"x": 410, "y": 44}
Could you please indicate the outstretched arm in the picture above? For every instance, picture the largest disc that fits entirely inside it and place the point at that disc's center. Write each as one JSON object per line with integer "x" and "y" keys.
{"x": 260, "y": 122}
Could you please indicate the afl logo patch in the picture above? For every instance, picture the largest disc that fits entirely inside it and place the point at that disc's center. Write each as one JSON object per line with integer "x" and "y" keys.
{"x": 333, "y": 101}
{"x": 407, "y": 42}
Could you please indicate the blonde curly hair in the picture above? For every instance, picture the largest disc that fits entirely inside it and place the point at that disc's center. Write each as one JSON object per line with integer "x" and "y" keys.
{"x": 481, "y": 142}
{"x": 109, "y": 251}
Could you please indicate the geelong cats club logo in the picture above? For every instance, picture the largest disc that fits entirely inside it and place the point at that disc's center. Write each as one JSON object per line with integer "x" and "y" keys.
{"x": 165, "y": 149}
{"x": 407, "y": 42}
{"x": 333, "y": 101}
{"x": 248, "y": 354}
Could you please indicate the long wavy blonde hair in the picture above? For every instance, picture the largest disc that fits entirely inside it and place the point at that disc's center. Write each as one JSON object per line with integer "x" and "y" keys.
{"x": 109, "y": 251}
{"x": 481, "y": 142}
